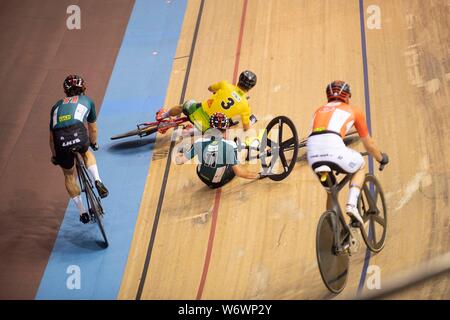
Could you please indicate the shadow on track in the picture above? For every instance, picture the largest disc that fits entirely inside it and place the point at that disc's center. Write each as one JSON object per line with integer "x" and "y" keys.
{"x": 132, "y": 146}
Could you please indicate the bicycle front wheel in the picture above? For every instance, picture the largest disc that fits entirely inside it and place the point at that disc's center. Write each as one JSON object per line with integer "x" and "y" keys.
{"x": 141, "y": 132}
{"x": 97, "y": 211}
{"x": 372, "y": 207}
{"x": 281, "y": 138}
{"x": 333, "y": 267}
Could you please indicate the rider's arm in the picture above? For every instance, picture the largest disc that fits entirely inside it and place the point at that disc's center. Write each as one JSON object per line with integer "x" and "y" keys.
{"x": 363, "y": 131}
{"x": 246, "y": 123}
{"x": 52, "y": 146}
{"x": 183, "y": 157}
{"x": 370, "y": 146}
{"x": 244, "y": 173}
{"x": 216, "y": 86}
{"x": 92, "y": 127}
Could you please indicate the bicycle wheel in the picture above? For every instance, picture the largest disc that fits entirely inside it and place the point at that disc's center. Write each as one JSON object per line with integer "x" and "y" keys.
{"x": 141, "y": 132}
{"x": 279, "y": 148}
{"x": 333, "y": 267}
{"x": 96, "y": 210}
{"x": 372, "y": 207}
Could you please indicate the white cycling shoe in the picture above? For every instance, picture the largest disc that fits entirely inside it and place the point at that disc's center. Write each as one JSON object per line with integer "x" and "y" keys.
{"x": 352, "y": 211}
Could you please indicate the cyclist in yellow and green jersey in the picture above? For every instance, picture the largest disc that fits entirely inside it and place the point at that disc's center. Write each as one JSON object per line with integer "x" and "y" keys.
{"x": 229, "y": 99}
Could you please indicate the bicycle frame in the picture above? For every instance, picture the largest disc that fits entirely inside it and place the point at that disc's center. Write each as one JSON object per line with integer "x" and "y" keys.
{"x": 95, "y": 209}
{"x": 333, "y": 205}
{"x": 83, "y": 178}
{"x": 175, "y": 122}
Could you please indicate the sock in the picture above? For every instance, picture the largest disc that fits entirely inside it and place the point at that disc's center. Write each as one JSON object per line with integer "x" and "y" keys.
{"x": 353, "y": 195}
{"x": 94, "y": 171}
{"x": 79, "y": 204}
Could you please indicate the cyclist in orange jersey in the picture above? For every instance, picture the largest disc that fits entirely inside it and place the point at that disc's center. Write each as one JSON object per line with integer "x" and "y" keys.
{"x": 330, "y": 124}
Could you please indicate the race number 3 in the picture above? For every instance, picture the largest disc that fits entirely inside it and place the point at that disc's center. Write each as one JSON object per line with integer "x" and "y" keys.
{"x": 227, "y": 105}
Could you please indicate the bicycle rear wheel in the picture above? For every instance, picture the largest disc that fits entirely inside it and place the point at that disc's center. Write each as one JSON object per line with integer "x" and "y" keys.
{"x": 141, "y": 132}
{"x": 333, "y": 267}
{"x": 372, "y": 207}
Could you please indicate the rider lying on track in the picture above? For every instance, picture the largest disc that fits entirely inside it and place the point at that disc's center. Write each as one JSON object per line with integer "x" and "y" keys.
{"x": 217, "y": 156}
{"x": 228, "y": 99}
{"x": 330, "y": 124}
{"x": 67, "y": 131}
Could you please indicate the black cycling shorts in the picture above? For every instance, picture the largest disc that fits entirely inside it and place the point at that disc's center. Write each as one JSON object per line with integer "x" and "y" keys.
{"x": 65, "y": 139}
{"x": 227, "y": 177}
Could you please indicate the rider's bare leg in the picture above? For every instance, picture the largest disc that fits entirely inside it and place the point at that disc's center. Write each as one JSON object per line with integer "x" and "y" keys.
{"x": 175, "y": 111}
{"x": 70, "y": 181}
{"x": 355, "y": 187}
{"x": 73, "y": 189}
{"x": 91, "y": 164}
{"x": 89, "y": 158}
{"x": 353, "y": 195}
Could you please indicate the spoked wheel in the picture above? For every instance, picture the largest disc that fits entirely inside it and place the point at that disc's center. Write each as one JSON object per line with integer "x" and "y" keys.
{"x": 279, "y": 148}
{"x": 95, "y": 209}
{"x": 141, "y": 131}
{"x": 333, "y": 266}
{"x": 372, "y": 208}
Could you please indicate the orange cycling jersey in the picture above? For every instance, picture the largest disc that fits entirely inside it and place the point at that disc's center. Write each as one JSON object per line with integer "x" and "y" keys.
{"x": 229, "y": 100}
{"x": 339, "y": 117}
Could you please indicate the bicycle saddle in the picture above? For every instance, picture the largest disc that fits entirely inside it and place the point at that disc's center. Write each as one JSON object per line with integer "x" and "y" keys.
{"x": 75, "y": 149}
{"x": 324, "y": 169}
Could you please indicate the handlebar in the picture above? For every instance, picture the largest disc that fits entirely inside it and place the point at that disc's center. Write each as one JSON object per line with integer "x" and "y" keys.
{"x": 384, "y": 161}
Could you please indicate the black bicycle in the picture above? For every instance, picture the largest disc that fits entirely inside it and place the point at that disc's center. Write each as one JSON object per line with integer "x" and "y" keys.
{"x": 335, "y": 239}
{"x": 94, "y": 204}
{"x": 279, "y": 148}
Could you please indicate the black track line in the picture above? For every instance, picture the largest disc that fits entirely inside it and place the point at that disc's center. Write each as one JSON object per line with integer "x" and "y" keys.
{"x": 167, "y": 169}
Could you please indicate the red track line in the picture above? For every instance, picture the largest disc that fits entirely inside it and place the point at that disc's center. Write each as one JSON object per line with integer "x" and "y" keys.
{"x": 210, "y": 243}
{"x": 215, "y": 212}
{"x": 238, "y": 49}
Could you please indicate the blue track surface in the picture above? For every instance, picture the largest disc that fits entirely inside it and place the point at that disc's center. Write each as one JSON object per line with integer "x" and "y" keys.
{"x": 137, "y": 88}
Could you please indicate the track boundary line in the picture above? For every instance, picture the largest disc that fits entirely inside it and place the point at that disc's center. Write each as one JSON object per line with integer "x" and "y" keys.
{"x": 167, "y": 168}
{"x": 362, "y": 21}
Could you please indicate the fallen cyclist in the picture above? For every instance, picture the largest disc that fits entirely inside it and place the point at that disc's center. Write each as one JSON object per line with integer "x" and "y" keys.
{"x": 217, "y": 156}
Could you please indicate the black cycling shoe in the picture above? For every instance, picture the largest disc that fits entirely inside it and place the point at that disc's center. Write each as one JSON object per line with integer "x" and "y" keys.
{"x": 85, "y": 218}
{"x": 102, "y": 191}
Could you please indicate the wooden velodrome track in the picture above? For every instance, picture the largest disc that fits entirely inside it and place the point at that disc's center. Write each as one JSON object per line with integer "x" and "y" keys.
{"x": 257, "y": 240}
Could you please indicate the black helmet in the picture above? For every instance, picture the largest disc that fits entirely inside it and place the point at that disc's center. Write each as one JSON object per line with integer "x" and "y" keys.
{"x": 339, "y": 90}
{"x": 219, "y": 121}
{"x": 247, "y": 80}
{"x": 74, "y": 85}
